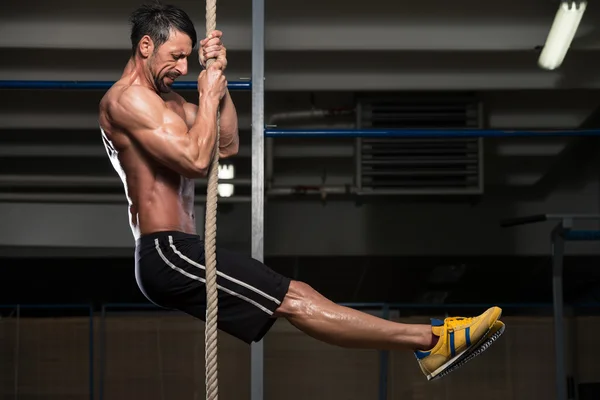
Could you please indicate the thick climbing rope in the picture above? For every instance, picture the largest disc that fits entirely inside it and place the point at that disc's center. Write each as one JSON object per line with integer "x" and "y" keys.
{"x": 210, "y": 239}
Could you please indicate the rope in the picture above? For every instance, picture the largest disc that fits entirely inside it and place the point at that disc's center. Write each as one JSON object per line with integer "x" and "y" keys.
{"x": 210, "y": 239}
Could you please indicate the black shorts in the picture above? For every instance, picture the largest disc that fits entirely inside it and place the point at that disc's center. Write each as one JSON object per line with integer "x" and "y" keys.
{"x": 169, "y": 269}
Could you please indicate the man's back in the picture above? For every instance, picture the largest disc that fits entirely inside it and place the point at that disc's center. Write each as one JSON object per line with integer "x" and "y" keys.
{"x": 159, "y": 198}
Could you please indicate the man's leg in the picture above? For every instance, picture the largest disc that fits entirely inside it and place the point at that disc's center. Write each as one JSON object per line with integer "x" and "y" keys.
{"x": 440, "y": 348}
{"x": 170, "y": 270}
{"x": 329, "y": 322}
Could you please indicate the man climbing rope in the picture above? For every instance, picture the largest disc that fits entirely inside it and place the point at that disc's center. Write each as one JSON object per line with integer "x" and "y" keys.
{"x": 158, "y": 143}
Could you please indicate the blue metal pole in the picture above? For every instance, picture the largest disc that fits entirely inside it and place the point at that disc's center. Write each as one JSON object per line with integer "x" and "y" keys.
{"x": 46, "y": 306}
{"x": 447, "y": 306}
{"x": 363, "y": 305}
{"x": 132, "y": 305}
{"x": 384, "y": 356}
{"x": 581, "y": 235}
{"x": 89, "y": 85}
{"x": 411, "y": 133}
{"x": 91, "y": 352}
{"x": 102, "y": 351}
{"x": 450, "y": 306}
{"x": 558, "y": 249}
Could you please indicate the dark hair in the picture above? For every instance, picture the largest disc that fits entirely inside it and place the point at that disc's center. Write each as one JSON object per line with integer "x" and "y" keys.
{"x": 157, "y": 20}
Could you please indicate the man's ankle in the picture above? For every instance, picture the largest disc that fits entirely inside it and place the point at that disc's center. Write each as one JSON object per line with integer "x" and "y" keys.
{"x": 429, "y": 340}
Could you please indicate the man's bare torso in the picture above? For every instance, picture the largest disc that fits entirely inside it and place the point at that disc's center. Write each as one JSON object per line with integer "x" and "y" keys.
{"x": 159, "y": 198}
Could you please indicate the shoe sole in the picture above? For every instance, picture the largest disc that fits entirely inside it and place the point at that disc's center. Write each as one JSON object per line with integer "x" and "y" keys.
{"x": 484, "y": 343}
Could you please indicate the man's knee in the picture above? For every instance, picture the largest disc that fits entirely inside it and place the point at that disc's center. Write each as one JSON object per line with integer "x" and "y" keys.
{"x": 298, "y": 300}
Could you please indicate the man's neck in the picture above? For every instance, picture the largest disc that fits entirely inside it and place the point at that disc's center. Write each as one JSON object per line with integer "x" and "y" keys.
{"x": 134, "y": 73}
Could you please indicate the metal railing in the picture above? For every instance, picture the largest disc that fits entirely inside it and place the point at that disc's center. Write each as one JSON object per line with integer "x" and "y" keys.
{"x": 92, "y": 352}
{"x": 18, "y": 312}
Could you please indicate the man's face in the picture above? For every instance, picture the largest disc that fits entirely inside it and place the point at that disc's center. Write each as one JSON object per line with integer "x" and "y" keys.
{"x": 169, "y": 61}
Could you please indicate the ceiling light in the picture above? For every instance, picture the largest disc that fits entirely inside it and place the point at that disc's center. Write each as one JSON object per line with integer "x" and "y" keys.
{"x": 561, "y": 34}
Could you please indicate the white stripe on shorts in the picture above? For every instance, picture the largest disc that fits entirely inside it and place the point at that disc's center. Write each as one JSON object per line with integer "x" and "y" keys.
{"x": 247, "y": 286}
{"x": 191, "y": 276}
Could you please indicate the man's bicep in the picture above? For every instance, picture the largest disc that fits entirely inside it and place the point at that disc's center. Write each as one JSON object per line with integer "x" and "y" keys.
{"x": 191, "y": 110}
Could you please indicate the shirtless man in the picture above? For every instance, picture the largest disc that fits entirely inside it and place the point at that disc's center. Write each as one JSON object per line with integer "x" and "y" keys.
{"x": 158, "y": 144}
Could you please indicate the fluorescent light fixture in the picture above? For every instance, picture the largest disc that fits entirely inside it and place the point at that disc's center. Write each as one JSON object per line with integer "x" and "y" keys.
{"x": 226, "y": 172}
{"x": 561, "y": 34}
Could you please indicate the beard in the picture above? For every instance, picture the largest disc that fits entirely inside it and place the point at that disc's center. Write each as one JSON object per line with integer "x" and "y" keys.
{"x": 159, "y": 79}
{"x": 161, "y": 85}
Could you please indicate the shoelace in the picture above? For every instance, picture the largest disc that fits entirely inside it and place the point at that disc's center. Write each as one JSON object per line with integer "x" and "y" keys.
{"x": 459, "y": 321}
{"x": 452, "y": 319}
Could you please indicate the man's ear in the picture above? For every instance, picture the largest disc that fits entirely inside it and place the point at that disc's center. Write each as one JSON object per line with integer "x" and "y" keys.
{"x": 146, "y": 46}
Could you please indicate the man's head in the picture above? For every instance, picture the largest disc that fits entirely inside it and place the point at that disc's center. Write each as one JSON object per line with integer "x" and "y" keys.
{"x": 163, "y": 36}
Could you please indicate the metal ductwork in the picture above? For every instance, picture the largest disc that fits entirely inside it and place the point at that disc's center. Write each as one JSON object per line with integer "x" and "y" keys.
{"x": 428, "y": 166}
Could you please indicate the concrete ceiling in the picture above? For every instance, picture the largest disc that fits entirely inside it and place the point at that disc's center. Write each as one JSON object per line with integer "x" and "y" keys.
{"x": 317, "y": 54}
{"x": 315, "y": 45}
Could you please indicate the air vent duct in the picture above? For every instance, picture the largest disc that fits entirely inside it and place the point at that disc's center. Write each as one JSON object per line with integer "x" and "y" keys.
{"x": 396, "y": 166}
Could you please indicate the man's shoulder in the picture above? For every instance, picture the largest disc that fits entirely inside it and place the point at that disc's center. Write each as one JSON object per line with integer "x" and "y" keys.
{"x": 120, "y": 93}
{"x": 130, "y": 98}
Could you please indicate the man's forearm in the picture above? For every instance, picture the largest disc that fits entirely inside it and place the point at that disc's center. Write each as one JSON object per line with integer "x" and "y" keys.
{"x": 228, "y": 134}
{"x": 203, "y": 132}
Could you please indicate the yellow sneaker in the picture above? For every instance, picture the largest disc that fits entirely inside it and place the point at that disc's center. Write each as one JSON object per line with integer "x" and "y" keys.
{"x": 460, "y": 340}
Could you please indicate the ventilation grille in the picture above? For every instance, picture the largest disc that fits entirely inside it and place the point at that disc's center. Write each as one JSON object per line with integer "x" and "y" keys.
{"x": 419, "y": 165}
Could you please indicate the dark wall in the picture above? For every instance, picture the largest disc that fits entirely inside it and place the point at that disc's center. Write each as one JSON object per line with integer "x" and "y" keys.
{"x": 343, "y": 279}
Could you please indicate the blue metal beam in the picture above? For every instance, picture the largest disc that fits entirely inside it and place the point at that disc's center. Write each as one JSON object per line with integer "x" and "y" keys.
{"x": 91, "y": 85}
{"x": 530, "y": 219}
{"x": 582, "y": 235}
{"x": 91, "y": 353}
{"x": 408, "y": 133}
{"x": 46, "y": 306}
{"x": 372, "y": 306}
{"x": 381, "y": 306}
{"x": 384, "y": 363}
